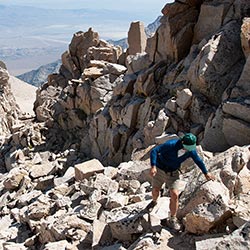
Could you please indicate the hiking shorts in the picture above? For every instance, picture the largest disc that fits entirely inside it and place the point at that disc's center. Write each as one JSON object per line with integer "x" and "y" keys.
{"x": 171, "y": 179}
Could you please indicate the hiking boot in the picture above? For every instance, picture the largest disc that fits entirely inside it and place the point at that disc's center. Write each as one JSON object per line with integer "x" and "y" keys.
{"x": 151, "y": 205}
{"x": 173, "y": 223}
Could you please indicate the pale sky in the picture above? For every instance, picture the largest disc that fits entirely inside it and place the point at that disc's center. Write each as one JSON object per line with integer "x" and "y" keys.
{"x": 101, "y": 4}
{"x": 152, "y": 9}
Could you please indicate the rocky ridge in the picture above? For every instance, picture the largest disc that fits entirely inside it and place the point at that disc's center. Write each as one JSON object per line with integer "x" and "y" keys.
{"x": 77, "y": 176}
{"x": 181, "y": 79}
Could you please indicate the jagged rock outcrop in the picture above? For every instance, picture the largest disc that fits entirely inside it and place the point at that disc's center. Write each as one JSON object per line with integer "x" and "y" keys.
{"x": 221, "y": 54}
{"x": 90, "y": 93}
{"x": 9, "y": 110}
{"x": 231, "y": 118}
{"x": 174, "y": 36}
{"x": 137, "y": 38}
{"x": 240, "y": 238}
{"x": 211, "y": 204}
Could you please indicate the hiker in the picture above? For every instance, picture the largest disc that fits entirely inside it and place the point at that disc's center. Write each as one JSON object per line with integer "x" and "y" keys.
{"x": 165, "y": 164}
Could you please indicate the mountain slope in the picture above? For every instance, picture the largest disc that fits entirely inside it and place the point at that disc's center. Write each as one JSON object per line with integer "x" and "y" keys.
{"x": 39, "y": 76}
{"x": 24, "y": 93}
{"x": 152, "y": 27}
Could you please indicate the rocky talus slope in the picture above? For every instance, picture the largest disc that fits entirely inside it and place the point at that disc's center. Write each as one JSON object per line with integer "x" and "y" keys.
{"x": 76, "y": 176}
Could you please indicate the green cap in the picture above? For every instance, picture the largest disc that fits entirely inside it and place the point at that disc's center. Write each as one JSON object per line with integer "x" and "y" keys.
{"x": 189, "y": 141}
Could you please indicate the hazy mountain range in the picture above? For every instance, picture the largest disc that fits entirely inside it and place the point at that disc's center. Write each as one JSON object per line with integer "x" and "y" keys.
{"x": 38, "y": 76}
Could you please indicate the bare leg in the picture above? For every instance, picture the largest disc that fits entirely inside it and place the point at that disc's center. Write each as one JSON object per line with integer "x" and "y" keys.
{"x": 174, "y": 201}
{"x": 155, "y": 193}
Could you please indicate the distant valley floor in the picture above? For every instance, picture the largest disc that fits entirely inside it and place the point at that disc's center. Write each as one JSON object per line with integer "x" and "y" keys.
{"x": 26, "y": 63}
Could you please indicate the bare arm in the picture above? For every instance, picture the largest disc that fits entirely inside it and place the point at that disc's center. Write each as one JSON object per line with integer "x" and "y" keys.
{"x": 153, "y": 171}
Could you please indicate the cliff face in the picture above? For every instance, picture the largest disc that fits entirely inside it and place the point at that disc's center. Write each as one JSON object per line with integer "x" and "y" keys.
{"x": 192, "y": 77}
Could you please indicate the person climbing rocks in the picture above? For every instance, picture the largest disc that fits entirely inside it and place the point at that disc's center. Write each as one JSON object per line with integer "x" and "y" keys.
{"x": 165, "y": 165}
